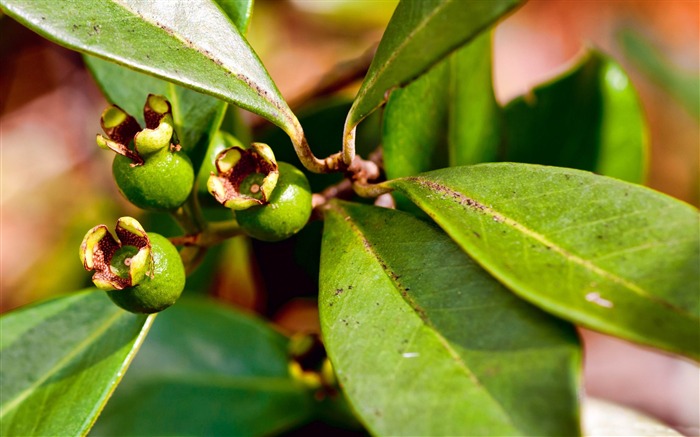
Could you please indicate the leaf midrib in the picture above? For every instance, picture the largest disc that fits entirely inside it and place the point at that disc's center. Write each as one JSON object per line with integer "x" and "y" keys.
{"x": 418, "y": 312}
{"x": 135, "y": 347}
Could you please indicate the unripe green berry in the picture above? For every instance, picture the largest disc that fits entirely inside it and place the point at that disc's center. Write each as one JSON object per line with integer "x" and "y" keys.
{"x": 160, "y": 289}
{"x": 150, "y": 170}
{"x": 162, "y": 182}
{"x": 287, "y": 212}
{"x": 141, "y": 272}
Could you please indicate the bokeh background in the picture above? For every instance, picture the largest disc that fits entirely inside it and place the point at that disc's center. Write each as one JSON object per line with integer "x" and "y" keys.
{"x": 55, "y": 183}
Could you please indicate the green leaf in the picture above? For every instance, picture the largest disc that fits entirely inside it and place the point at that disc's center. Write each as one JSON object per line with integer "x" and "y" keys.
{"x": 609, "y": 255}
{"x": 446, "y": 117}
{"x": 588, "y": 118}
{"x": 238, "y": 11}
{"x": 205, "y": 52}
{"x": 207, "y": 370}
{"x": 425, "y": 342}
{"x": 419, "y": 35}
{"x": 61, "y": 360}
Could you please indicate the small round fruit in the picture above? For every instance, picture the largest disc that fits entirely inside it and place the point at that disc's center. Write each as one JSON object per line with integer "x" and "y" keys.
{"x": 286, "y": 213}
{"x": 163, "y": 182}
{"x": 159, "y": 290}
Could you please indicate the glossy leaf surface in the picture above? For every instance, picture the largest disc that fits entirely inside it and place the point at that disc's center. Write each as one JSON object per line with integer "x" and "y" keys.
{"x": 207, "y": 370}
{"x": 61, "y": 360}
{"x": 205, "y": 52}
{"x": 425, "y": 342}
{"x": 612, "y": 256}
{"x": 419, "y": 35}
{"x": 588, "y": 118}
{"x": 447, "y": 117}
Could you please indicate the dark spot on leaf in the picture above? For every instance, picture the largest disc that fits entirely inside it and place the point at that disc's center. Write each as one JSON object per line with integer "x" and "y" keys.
{"x": 338, "y": 291}
{"x": 476, "y": 234}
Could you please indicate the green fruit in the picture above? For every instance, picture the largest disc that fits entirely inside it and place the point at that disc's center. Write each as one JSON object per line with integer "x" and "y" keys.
{"x": 286, "y": 213}
{"x": 162, "y": 182}
{"x": 161, "y": 288}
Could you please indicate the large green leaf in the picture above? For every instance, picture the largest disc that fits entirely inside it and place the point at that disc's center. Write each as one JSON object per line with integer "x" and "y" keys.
{"x": 197, "y": 116}
{"x": 446, "y": 117}
{"x": 588, "y": 118}
{"x": 205, "y": 51}
{"x": 207, "y": 370}
{"x": 425, "y": 342}
{"x": 609, "y": 255}
{"x": 60, "y": 361}
{"x": 419, "y": 35}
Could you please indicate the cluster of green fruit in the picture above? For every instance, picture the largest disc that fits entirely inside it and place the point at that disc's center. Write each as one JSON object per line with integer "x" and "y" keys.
{"x": 143, "y": 272}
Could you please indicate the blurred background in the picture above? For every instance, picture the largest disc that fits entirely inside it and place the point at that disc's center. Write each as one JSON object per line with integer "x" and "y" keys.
{"x": 55, "y": 183}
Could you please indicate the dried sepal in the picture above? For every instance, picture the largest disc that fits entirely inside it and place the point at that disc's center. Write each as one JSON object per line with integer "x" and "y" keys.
{"x": 121, "y": 149}
{"x": 156, "y": 108}
{"x": 121, "y": 129}
{"x": 118, "y": 263}
{"x": 245, "y": 177}
{"x": 119, "y": 126}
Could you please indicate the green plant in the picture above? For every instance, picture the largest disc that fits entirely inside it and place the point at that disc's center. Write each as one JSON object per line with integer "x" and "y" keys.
{"x": 454, "y": 313}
